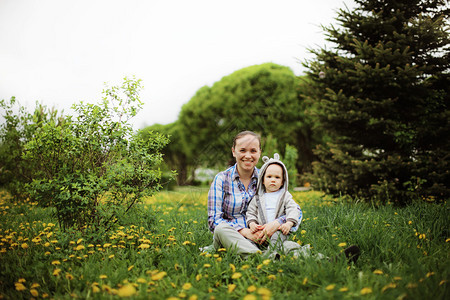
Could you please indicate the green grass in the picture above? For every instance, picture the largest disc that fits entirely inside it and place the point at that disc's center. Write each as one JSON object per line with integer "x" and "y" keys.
{"x": 154, "y": 254}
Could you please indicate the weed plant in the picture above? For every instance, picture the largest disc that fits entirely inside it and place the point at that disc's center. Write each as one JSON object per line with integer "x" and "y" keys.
{"x": 154, "y": 254}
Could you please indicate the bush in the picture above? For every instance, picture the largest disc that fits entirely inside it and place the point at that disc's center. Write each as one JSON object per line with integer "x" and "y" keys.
{"x": 91, "y": 167}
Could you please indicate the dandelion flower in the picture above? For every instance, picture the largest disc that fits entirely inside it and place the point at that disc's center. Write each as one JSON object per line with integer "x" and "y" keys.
{"x": 130, "y": 268}
{"x": 207, "y": 266}
{"x": 141, "y": 280}
{"x": 430, "y": 274}
{"x": 266, "y": 262}
{"x": 250, "y": 297}
{"x": 251, "y": 289}
{"x": 231, "y": 288}
{"x": 56, "y": 262}
{"x": 35, "y": 285}
{"x": 388, "y": 286}
{"x": 342, "y": 244}
{"x": 198, "y": 277}
{"x": 233, "y": 268}
{"x": 111, "y": 256}
{"x": 366, "y": 290}
{"x": 34, "y": 292}
{"x": 330, "y": 287}
{"x": 305, "y": 281}
{"x": 69, "y": 276}
{"x": 158, "y": 276}
{"x": 236, "y": 275}
{"x": 343, "y": 289}
{"x": 20, "y": 286}
{"x": 222, "y": 250}
{"x": 186, "y": 286}
{"x": 56, "y": 272}
{"x": 245, "y": 267}
{"x": 272, "y": 277}
{"x": 126, "y": 291}
{"x": 264, "y": 292}
{"x": 79, "y": 247}
{"x": 103, "y": 276}
{"x": 24, "y": 246}
{"x": 95, "y": 289}
{"x": 186, "y": 243}
{"x": 79, "y": 241}
{"x": 378, "y": 272}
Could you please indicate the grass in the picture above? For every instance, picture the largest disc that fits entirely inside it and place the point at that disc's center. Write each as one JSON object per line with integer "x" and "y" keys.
{"x": 154, "y": 254}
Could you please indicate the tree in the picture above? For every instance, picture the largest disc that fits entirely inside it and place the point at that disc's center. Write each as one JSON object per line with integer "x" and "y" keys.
{"x": 263, "y": 98}
{"x": 382, "y": 95}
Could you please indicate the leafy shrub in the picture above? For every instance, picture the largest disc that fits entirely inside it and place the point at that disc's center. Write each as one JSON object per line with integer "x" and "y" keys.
{"x": 91, "y": 168}
{"x": 18, "y": 127}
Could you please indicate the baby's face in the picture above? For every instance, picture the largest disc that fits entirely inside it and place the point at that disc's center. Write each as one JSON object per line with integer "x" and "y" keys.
{"x": 273, "y": 178}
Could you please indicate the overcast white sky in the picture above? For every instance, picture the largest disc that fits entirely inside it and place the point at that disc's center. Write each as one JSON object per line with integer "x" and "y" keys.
{"x": 59, "y": 52}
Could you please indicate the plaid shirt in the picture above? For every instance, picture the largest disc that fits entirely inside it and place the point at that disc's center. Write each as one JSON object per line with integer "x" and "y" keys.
{"x": 228, "y": 199}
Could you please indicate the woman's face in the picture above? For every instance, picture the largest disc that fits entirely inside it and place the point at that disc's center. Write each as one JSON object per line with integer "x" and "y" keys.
{"x": 247, "y": 152}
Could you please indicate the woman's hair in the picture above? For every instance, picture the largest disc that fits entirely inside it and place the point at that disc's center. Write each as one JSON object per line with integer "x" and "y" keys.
{"x": 244, "y": 133}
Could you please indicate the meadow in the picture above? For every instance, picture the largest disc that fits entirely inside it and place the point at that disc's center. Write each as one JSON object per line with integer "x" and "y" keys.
{"x": 153, "y": 253}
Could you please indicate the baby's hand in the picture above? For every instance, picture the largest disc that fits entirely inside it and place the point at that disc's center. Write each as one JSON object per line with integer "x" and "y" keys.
{"x": 286, "y": 227}
{"x": 254, "y": 227}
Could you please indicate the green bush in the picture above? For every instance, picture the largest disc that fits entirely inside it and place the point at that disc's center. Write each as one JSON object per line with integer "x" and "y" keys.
{"x": 91, "y": 168}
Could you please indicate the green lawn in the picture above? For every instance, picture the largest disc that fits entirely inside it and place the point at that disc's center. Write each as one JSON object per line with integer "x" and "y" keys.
{"x": 154, "y": 254}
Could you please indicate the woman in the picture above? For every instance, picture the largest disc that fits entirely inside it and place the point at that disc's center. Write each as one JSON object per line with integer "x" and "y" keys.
{"x": 230, "y": 194}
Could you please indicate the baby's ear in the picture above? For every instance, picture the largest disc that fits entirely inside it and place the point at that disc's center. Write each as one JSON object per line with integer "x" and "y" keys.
{"x": 265, "y": 159}
{"x": 276, "y": 156}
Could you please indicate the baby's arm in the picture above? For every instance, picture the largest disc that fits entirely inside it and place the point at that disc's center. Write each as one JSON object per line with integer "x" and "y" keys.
{"x": 254, "y": 227}
{"x": 286, "y": 227}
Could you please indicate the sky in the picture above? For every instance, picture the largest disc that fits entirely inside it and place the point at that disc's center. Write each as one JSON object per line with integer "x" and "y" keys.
{"x": 61, "y": 52}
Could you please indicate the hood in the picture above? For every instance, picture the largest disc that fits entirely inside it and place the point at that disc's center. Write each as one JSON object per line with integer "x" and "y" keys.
{"x": 267, "y": 162}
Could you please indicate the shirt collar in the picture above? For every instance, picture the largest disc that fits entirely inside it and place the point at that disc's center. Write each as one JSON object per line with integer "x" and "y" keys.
{"x": 235, "y": 173}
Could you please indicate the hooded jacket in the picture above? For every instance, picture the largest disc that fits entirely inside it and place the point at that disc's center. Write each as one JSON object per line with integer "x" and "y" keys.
{"x": 286, "y": 206}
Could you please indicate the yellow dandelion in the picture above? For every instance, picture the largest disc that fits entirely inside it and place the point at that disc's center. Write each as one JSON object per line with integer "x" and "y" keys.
{"x": 231, "y": 288}
{"x": 409, "y": 222}
{"x": 186, "y": 286}
{"x": 56, "y": 272}
{"x": 430, "y": 274}
{"x": 233, "y": 268}
{"x": 271, "y": 277}
{"x": 34, "y": 292}
{"x": 397, "y": 278}
{"x": 56, "y": 262}
{"x": 126, "y": 291}
{"x": 95, "y": 289}
{"x": 366, "y": 290}
{"x": 111, "y": 256}
{"x": 266, "y": 262}
{"x": 305, "y": 280}
{"x": 447, "y": 240}
{"x": 264, "y": 292}
{"x": 388, "y": 286}
{"x": 342, "y": 244}
{"x": 79, "y": 247}
{"x": 130, "y": 268}
{"x": 144, "y": 246}
{"x": 79, "y": 241}
{"x": 330, "y": 287}
{"x": 343, "y": 289}
{"x": 245, "y": 267}
{"x": 198, "y": 277}
{"x": 158, "y": 276}
{"x": 207, "y": 266}
{"x": 69, "y": 276}
{"x": 141, "y": 280}
{"x": 35, "y": 285}
{"x": 21, "y": 280}
{"x": 378, "y": 272}
{"x": 193, "y": 297}
{"x": 24, "y": 246}
{"x": 442, "y": 282}
{"x": 106, "y": 245}
{"x": 103, "y": 276}
{"x": 222, "y": 250}
{"x": 250, "y": 297}
{"x": 236, "y": 275}
{"x": 20, "y": 286}
{"x": 47, "y": 253}
{"x": 251, "y": 289}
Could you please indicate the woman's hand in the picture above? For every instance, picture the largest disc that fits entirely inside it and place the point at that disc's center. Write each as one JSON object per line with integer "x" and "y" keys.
{"x": 254, "y": 236}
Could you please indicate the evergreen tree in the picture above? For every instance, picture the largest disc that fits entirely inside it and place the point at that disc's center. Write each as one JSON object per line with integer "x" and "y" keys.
{"x": 382, "y": 94}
